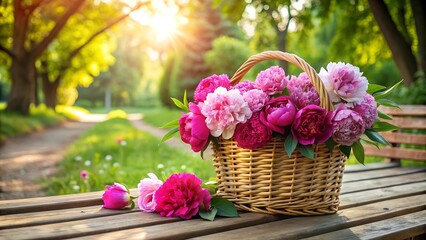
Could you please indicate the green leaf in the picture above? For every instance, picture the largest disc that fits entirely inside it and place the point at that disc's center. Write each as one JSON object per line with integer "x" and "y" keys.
{"x": 330, "y": 144}
{"x": 358, "y": 151}
{"x": 372, "y": 88}
{"x": 290, "y": 144}
{"x": 383, "y": 94}
{"x": 375, "y": 136}
{"x": 383, "y": 126}
{"x": 132, "y": 204}
{"x": 370, "y": 142}
{"x": 345, "y": 150}
{"x": 211, "y": 186}
{"x": 225, "y": 208}
{"x": 171, "y": 124}
{"x": 204, "y": 149}
{"x": 180, "y": 105}
{"x": 307, "y": 151}
{"x": 387, "y": 102}
{"x": 169, "y": 134}
{"x": 208, "y": 215}
{"x": 384, "y": 116}
{"x": 185, "y": 100}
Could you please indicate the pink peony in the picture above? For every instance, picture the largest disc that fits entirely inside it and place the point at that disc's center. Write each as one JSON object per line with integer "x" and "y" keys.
{"x": 84, "y": 174}
{"x": 367, "y": 110}
{"x": 271, "y": 80}
{"x": 147, "y": 188}
{"x": 312, "y": 124}
{"x": 302, "y": 92}
{"x": 244, "y": 86}
{"x": 344, "y": 81}
{"x": 278, "y": 113}
{"x": 116, "y": 197}
{"x": 348, "y": 126}
{"x": 256, "y": 99}
{"x": 252, "y": 134}
{"x": 193, "y": 129}
{"x": 223, "y": 110}
{"x": 181, "y": 196}
{"x": 208, "y": 85}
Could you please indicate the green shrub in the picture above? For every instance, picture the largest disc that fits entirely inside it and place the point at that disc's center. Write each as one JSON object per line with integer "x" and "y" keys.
{"x": 117, "y": 114}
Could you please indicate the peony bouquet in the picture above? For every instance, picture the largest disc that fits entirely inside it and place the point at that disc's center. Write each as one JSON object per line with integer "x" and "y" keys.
{"x": 275, "y": 104}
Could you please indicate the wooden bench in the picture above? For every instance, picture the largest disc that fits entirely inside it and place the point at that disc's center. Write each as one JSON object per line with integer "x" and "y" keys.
{"x": 407, "y": 143}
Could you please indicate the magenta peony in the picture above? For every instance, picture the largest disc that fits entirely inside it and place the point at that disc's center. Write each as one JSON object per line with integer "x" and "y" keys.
{"x": 223, "y": 110}
{"x": 312, "y": 124}
{"x": 348, "y": 126}
{"x": 147, "y": 188}
{"x": 116, "y": 197}
{"x": 208, "y": 85}
{"x": 252, "y": 134}
{"x": 244, "y": 86}
{"x": 278, "y": 113}
{"x": 181, "y": 196}
{"x": 193, "y": 129}
{"x": 256, "y": 99}
{"x": 302, "y": 92}
{"x": 271, "y": 80}
{"x": 344, "y": 81}
{"x": 367, "y": 110}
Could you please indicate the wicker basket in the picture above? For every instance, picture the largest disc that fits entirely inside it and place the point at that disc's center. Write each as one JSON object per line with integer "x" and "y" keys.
{"x": 266, "y": 180}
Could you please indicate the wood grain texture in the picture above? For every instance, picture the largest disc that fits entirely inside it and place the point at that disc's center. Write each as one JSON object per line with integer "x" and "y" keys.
{"x": 396, "y": 152}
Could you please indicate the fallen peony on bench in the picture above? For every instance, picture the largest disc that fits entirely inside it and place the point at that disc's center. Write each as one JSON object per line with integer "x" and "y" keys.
{"x": 378, "y": 201}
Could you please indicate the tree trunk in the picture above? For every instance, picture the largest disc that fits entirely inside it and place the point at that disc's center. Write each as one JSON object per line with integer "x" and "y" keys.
{"x": 282, "y": 46}
{"x": 50, "y": 90}
{"x": 401, "y": 50}
{"x": 23, "y": 86}
{"x": 419, "y": 14}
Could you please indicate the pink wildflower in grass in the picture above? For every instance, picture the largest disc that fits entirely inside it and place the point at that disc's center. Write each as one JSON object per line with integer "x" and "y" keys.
{"x": 209, "y": 85}
{"x": 223, "y": 110}
{"x": 367, "y": 110}
{"x": 119, "y": 140}
{"x": 181, "y": 196}
{"x": 147, "y": 188}
{"x": 344, "y": 81}
{"x": 278, "y": 113}
{"x": 256, "y": 99}
{"x": 302, "y": 92}
{"x": 348, "y": 126}
{"x": 271, "y": 80}
{"x": 244, "y": 86}
{"x": 252, "y": 134}
{"x": 193, "y": 129}
{"x": 84, "y": 174}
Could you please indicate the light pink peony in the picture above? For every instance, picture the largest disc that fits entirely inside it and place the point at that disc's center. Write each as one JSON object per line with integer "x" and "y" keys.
{"x": 348, "y": 126}
{"x": 278, "y": 113}
{"x": 244, "y": 86}
{"x": 116, "y": 197}
{"x": 208, "y": 85}
{"x": 256, "y": 99}
{"x": 147, "y": 188}
{"x": 84, "y": 174}
{"x": 271, "y": 80}
{"x": 367, "y": 110}
{"x": 302, "y": 92}
{"x": 223, "y": 110}
{"x": 312, "y": 124}
{"x": 344, "y": 81}
{"x": 193, "y": 129}
{"x": 252, "y": 134}
{"x": 181, "y": 196}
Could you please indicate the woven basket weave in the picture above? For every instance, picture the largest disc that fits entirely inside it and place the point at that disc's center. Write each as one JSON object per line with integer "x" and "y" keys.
{"x": 266, "y": 180}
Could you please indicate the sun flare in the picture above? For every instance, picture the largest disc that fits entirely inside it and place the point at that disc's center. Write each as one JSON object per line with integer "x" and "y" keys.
{"x": 164, "y": 26}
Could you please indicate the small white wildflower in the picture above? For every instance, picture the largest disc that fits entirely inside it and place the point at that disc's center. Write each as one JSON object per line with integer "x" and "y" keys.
{"x": 116, "y": 164}
{"x": 78, "y": 158}
{"x": 108, "y": 157}
{"x": 160, "y": 165}
{"x": 183, "y": 167}
{"x": 87, "y": 163}
{"x": 76, "y": 188}
{"x": 101, "y": 171}
{"x": 123, "y": 143}
{"x": 105, "y": 165}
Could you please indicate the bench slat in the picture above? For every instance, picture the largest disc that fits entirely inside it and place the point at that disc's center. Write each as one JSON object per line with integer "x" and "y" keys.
{"x": 357, "y": 176}
{"x": 408, "y": 123}
{"x": 395, "y": 152}
{"x": 405, "y": 138}
{"x": 405, "y": 110}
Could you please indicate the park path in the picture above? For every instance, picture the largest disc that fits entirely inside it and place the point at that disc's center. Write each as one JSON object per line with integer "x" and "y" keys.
{"x": 28, "y": 158}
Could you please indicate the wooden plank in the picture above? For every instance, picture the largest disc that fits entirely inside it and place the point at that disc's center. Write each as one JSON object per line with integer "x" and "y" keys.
{"x": 302, "y": 227}
{"x": 377, "y": 183}
{"x": 405, "y": 110}
{"x": 408, "y": 123}
{"x": 401, "y": 227}
{"x": 198, "y": 227}
{"x": 87, "y": 226}
{"x": 359, "y": 176}
{"x": 395, "y": 152}
{"x": 369, "y": 167}
{"x": 405, "y": 138}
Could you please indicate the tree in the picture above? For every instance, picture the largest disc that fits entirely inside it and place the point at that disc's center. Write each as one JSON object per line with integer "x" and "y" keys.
{"x": 29, "y": 43}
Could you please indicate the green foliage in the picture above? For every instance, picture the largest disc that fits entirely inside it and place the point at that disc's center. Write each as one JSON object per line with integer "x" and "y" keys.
{"x": 71, "y": 112}
{"x": 160, "y": 116}
{"x": 108, "y": 161}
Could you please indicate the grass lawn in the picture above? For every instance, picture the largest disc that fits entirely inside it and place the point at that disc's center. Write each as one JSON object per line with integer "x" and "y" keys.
{"x": 108, "y": 161}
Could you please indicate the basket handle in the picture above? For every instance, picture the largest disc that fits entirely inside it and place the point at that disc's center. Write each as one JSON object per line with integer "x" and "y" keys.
{"x": 325, "y": 101}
